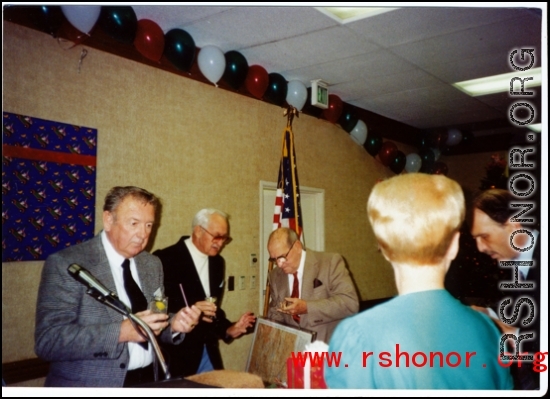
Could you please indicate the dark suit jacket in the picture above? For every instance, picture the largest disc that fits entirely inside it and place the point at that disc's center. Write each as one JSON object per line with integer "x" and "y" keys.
{"x": 179, "y": 269}
{"x": 329, "y": 300}
{"x": 525, "y": 377}
{"x": 75, "y": 332}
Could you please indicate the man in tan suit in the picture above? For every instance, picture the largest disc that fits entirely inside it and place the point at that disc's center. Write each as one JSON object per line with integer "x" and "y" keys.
{"x": 313, "y": 292}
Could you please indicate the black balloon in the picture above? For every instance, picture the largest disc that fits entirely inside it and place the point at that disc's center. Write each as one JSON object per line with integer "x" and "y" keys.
{"x": 373, "y": 144}
{"x": 119, "y": 22}
{"x": 437, "y": 139}
{"x": 236, "y": 68}
{"x": 428, "y": 160}
{"x": 467, "y": 138}
{"x": 276, "y": 90}
{"x": 347, "y": 118}
{"x": 424, "y": 141}
{"x": 179, "y": 49}
{"x": 48, "y": 18}
{"x": 398, "y": 163}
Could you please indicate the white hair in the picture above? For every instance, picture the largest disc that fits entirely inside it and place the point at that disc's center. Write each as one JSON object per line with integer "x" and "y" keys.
{"x": 203, "y": 217}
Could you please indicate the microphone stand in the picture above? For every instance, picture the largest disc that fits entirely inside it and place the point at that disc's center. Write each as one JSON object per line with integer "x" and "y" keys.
{"x": 126, "y": 312}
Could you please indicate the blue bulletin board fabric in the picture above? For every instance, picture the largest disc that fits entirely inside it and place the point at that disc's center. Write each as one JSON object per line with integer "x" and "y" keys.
{"x": 48, "y": 186}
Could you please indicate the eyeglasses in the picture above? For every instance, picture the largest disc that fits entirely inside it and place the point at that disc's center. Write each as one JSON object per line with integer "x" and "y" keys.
{"x": 282, "y": 257}
{"x": 216, "y": 238}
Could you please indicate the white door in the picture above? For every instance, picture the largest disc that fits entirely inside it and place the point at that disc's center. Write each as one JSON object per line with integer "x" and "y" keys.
{"x": 313, "y": 215}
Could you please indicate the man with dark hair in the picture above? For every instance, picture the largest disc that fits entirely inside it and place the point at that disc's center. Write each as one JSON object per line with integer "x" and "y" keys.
{"x": 498, "y": 235}
{"x": 194, "y": 268}
{"x": 87, "y": 343}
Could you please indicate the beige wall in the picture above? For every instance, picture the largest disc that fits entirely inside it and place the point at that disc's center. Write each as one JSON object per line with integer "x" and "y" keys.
{"x": 195, "y": 146}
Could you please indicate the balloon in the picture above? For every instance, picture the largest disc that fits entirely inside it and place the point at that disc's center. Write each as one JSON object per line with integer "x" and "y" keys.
{"x": 149, "y": 39}
{"x": 423, "y": 141}
{"x": 276, "y": 89}
{"x": 373, "y": 143}
{"x": 48, "y": 19}
{"x": 437, "y": 153}
{"x": 236, "y": 68}
{"x": 256, "y": 81}
{"x": 467, "y": 138}
{"x": 387, "y": 153}
{"x": 440, "y": 168}
{"x": 179, "y": 49}
{"x": 414, "y": 163}
{"x": 296, "y": 94}
{"x": 211, "y": 63}
{"x": 437, "y": 139}
{"x": 69, "y": 32}
{"x": 428, "y": 159}
{"x": 334, "y": 110}
{"x": 359, "y": 132}
{"x": 347, "y": 118}
{"x": 397, "y": 164}
{"x": 454, "y": 137}
{"x": 82, "y": 18}
{"x": 119, "y": 22}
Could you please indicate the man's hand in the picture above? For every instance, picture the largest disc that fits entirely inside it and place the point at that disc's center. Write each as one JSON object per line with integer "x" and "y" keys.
{"x": 186, "y": 319}
{"x": 236, "y": 329}
{"x": 156, "y": 322}
{"x": 294, "y": 306}
{"x": 208, "y": 309}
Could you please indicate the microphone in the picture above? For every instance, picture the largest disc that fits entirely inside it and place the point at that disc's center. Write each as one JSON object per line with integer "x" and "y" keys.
{"x": 85, "y": 277}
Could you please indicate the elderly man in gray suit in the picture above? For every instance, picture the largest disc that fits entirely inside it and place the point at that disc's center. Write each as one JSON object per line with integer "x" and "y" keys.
{"x": 310, "y": 290}
{"x": 88, "y": 343}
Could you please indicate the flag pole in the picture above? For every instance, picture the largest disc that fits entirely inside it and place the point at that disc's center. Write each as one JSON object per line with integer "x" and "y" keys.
{"x": 290, "y": 112}
{"x": 267, "y": 290}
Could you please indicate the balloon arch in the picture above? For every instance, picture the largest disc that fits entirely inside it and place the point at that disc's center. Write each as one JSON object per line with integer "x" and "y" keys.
{"x": 76, "y": 23}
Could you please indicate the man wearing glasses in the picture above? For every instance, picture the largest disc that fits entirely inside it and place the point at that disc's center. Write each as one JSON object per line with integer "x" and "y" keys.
{"x": 193, "y": 272}
{"x": 311, "y": 290}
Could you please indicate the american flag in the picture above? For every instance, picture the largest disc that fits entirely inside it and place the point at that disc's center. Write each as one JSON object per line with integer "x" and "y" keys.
{"x": 288, "y": 211}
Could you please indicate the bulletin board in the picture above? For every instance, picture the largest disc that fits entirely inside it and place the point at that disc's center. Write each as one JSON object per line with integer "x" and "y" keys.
{"x": 271, "y": 346}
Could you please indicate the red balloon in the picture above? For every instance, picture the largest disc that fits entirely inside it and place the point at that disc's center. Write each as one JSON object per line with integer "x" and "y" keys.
{"x": 69, "y": 32}
{"x": 334, "y": 110}
{"x": 256, "y": 81}
{"x": 387, "y": 153}
{"x": 149, "y": 39}
{"x": 440, "y": 168}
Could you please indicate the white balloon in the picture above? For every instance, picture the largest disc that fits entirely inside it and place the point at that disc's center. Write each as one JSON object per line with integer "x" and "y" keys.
{"x": 211, "y": 63}
{"x": 414, "y": 163}
{"x": 82, "y": 18}
{"x": 437, "y": 153}
{"x": 359, "y": 132}
{"x": 296, "y": 94}
{"x": 454, "y": 137}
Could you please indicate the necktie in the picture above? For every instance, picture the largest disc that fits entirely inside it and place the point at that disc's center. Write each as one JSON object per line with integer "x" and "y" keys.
{"x": 137, "y": 299}
{"x": 295, "y": 294}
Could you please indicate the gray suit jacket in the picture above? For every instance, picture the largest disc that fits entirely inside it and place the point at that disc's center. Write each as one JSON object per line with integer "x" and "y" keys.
{"x": 326, "y": 287}
{"x": 75, "y": 332}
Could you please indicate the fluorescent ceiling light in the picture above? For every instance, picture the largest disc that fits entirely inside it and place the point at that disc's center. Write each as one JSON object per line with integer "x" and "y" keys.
{"x": 535, "y": 127}
{"x": 344, "y": 15}
{"x": 500, "y": 83}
